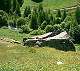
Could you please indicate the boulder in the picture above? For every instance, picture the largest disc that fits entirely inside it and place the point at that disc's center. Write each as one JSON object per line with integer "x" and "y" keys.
{"x": 61, "y": 41}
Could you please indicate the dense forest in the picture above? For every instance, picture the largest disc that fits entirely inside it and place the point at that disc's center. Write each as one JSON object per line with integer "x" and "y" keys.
{"x": 36, "y": 20}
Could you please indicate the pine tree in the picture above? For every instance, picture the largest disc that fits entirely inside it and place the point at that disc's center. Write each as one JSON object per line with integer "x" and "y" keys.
{"x": 64, "y": 14}
{"x": 78, "y": 14}
{"x": 33, "y": 23}
{"x": 58, "y": 13}
{"x": 5, "y": 5}
{"x": 27, "y": 11}
{"x": 17, "y": 11}
{"x": 20, "y": 2}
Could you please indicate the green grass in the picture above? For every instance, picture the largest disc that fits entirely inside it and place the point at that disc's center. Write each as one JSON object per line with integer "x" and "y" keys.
{"x": 15, "y": 57}
{"x": 19, "y": 58}
{"x": 12, "y": 34}
{"x": 51, "y": 4}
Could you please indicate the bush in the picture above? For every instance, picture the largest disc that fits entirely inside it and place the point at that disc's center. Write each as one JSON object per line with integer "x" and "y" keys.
{"x": 20, "y": 22}
{"x": 49, "y": 28}
{"x": 27, "y": 11}
{"x": 77, "y": 14}
{"x": 57, "y": 27}
{"x": 33, "y": 23}
{"x": 20, "y": 2}
{"x": 3, "y": 18}
{"x": 43, "y": 25}
{"x": 75, "y": 33}
{"x": 58, "y": 20}
{"x": 37, "y": 32}
{"x": 11, "y": 23}
{"x": 25, "y": 29}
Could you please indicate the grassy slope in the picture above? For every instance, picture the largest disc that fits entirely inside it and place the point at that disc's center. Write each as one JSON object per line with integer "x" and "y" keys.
{"x": 15, "y": 57}
{"x": 12, "y": 34}
{"x": 52, "y": 4}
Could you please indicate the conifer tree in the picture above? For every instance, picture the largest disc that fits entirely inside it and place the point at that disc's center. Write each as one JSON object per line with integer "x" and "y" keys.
{"x": 64, "y": 14}
{"x": 33, "y": 23}
{"x": 27, "y": 11}
{"x": 78, "y": 14}
{"x": 58, "y": 13}
{"x": 20, "y": 2}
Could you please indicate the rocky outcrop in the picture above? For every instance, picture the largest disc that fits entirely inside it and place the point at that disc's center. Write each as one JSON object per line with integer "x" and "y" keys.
{"x": 61, "y": 41}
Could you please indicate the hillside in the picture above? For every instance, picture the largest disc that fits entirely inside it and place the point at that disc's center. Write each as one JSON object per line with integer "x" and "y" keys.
{"x": 51, "y": 4}
{"x": 14, "y": 57}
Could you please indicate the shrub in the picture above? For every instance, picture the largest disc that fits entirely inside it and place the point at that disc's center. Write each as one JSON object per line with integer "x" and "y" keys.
{"x": 43, "y": 25}
{"x": 37, "y": 32}
{"x": 77, "y": 13}
{"x": 58, "y": 13}
{"x": 64, "y": 14}
{"x": 26, "y": 29}
{"x": 75, "y": 33}
{"x": 20, "y": 22}
{"x": 17, "y": 11}
{"x": 11, "y": 23}
{"x": 58, "y": 20}
{"x": 3, "y": 18}
{"x": 33, "y": 22}
{"x": 27, "y": 11}
{"x": 49, "y": 28}
{"x": 20, "y": 2}
{"x": 57, "y": 27}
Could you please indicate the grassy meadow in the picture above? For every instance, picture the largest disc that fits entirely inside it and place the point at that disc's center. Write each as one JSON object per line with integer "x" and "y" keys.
{"x": 7, "y": 33}
{"x": 51, "y": 4}
{"x": 15, "y": 57}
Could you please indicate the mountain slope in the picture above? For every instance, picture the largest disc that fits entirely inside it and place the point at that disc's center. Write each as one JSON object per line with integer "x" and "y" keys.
{"x": 51, "y": 4}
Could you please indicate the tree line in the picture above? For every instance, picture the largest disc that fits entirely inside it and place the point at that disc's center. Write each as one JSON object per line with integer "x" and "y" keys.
{"x": 37, "y": 20}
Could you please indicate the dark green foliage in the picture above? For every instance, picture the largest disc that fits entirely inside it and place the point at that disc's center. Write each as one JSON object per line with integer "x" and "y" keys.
{"x": 17, "y": 11}
{"x": 5, "y": 5}
{"x": 33, "y": 23}
{"x": 13, "y": 5}
{"x": 52, "y": 19}
{"x": 3, "y": 18}
{"x": 75, "y": 31}
{"x": 37, "y": 32}
{"x": 40, "y": 15}
{"x": 25, "y": 29}
{"x": 49, "y": 28}
{"x": 27, "y": 11}
{"x": 20, "y": 2}
{"x": 78, "y": 14}
{"x": 11, "y": 23}
{"x": 43, "y": 25}
{"x": 64, "y": 14}
{"x": 58, "y": 20}
{"x": 15, "y": 8}
{"x": 58, "y": 17}
{"x": 37, "y": 1}
{"x": 57, "y": 27}
{"x": 20, "y": 22}
{"x": 58, "y": 13}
